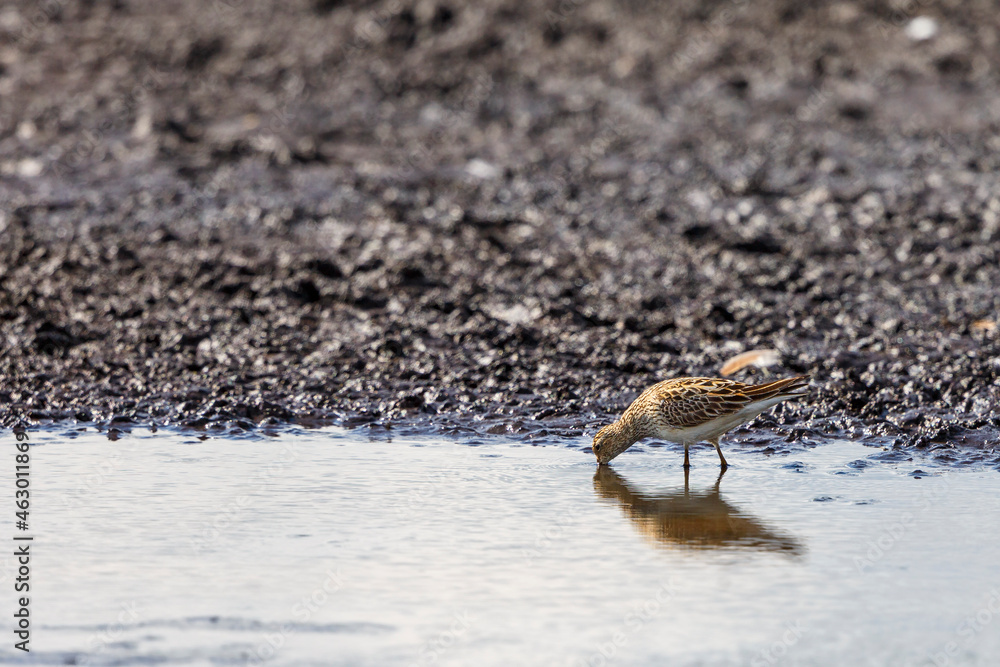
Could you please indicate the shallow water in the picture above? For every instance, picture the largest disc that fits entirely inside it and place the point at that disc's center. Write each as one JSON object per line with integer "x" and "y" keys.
{"x": 328, "y": 548}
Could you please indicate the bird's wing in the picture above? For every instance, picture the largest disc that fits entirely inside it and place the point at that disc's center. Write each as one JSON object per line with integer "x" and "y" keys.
{"x": 694, "y": 401}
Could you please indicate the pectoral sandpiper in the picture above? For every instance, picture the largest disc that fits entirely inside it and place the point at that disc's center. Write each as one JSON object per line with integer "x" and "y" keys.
{"x": 691, "y": 410}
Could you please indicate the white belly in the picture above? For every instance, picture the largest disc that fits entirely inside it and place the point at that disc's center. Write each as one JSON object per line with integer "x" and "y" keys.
{"x": 716, "y": 427}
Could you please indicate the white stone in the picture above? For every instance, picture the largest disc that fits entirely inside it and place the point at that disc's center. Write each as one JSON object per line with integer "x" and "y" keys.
{"x": 921, "y": 28}
{"x": 481, "y": 169}
{"x": 30, "y": 167}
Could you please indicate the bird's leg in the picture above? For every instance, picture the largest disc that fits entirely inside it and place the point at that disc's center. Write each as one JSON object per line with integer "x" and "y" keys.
{"x": 722, "y": 471}
{"x": 722, "y": 459}
{"x": 687, "y": 473}
{"x": 687, "y": 462}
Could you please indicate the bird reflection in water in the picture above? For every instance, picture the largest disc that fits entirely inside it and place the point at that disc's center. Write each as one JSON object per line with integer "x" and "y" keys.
{"x": 692, "y": 519}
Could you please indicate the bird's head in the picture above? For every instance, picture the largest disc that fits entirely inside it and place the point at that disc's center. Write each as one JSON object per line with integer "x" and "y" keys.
{"x": 611, "y": 441}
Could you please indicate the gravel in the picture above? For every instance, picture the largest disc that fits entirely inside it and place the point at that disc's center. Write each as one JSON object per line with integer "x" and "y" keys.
{"x": 499, "y": 217}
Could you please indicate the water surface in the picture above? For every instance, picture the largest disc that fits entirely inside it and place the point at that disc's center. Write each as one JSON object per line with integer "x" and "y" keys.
{"x": 327, "y": 548}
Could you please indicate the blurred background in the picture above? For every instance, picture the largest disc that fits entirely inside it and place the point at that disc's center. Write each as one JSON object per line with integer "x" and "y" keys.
{"x": 497, "y": 216}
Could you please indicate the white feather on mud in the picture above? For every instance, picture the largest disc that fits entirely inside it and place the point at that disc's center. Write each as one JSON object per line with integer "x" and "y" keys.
{"x": 758, "y": 358}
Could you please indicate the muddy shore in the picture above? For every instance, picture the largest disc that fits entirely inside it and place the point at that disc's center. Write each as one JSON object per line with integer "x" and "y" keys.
{"x": 507, "y": 218}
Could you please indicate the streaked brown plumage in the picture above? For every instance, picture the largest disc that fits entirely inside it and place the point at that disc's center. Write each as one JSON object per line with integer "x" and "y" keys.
{"x": 690, "y": 410}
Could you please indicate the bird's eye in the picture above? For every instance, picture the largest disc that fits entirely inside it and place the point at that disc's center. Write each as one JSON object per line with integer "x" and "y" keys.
{"x": 597, "y": 448}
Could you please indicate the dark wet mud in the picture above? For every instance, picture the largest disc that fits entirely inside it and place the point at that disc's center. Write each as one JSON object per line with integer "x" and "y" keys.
{"x": 502, "y": 218}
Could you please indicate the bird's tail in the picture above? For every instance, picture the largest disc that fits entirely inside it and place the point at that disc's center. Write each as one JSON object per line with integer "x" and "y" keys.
{"x": 785, "y": 388}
